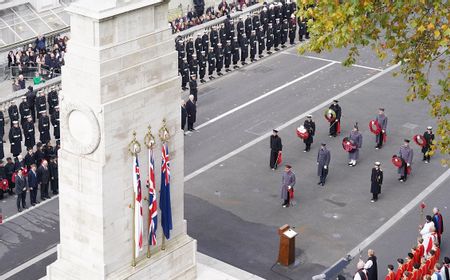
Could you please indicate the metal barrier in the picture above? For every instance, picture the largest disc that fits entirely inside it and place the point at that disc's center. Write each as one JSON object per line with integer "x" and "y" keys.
{"x": 29, "y": 72}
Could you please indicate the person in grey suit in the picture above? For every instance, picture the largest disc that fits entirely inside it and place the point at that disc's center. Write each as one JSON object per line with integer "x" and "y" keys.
{"x": 21, "y": 190}
{"x": 323, "y": 161}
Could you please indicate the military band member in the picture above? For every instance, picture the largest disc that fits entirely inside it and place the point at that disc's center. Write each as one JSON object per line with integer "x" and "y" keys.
{"x": 244, "y": 49}
{"x": 376, "y": 180}
{"x": 184, "y": 73}
{"x": 310, "y": 126}
{"x": 29, "y": 133}
{"x": 55, "y": 123}
{"x": 406, "y": 155}
{"x": 202, "y": 62}
{"x": 211, "y": 63}
{"x": 44, "y": 127}
{"x": 13, "y": 112}
{"x": 219, "y": 59}
{"x": 284, "y": 33}
{"x": 41, "y": 103}
{"x": 429, "y": 137}
{"x": 15, "y": 139}
{"x": 323, "y": 163}
{"x": 253, "y": 45}
{"x": 292, "y": 29}
{"x": 357, "y": 139}
{"x": 24, "y": 110}
{"x": 382, "y": 121}
{"x": 227, "y": 56}
{"x": 236, "y": 49}
{"x": 287, "y": 184}
{"x": 193, "y": 87}
{"x": 335, "y": 125}
{"x": 275, "y": 147}
{"x": 52, "y": 100}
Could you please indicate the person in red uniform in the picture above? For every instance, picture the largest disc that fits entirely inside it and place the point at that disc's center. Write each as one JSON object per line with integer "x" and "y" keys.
{"x": 432, "y": 261}
{"x": 409, "y": 262}
{"x": 416, "y": 273}
{"x": 400, "y": 269}
{"x": 416, "y": 255}
{"x": 391, "y": 273}
{"x": 420, "y": 246}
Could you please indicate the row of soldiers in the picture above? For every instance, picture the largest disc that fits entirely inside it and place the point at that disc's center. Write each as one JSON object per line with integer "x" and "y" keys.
{"x": 229, "y": 43}
{"x": 32, "y": 108}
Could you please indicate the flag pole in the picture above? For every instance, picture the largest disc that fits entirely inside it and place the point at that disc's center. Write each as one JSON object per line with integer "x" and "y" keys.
{"x": 164, "y": 136}
{"x": 149, "y": 141}
{"x": 133, "y": 148}
{"x": 163, "y": 244}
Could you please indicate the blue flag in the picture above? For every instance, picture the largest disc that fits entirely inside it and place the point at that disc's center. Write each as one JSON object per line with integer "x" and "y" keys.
{"x": 164, "y": 198}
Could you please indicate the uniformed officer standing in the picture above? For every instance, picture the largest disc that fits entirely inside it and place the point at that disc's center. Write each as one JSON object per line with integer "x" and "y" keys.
{"x": 214, "y": 37}
{"x": 223, "y": 34}
{"x": 205, "y": 42}
{"x": 244, "y": 49}
{"x": 240, "y": 30}
{"x": 310, "y": 126}
{"x": 184, "y": 73}
{"x": 335, "y": 124}
{"x": 198, "y": 44}
{"x": 253, "y": 45}
{"x": 41, "y": 103}
{"x": 181, "y": 54}
{"x": 429, "y": 137}
{"x": 52, "y": 99}
{"x": 236, "y": 49}
{"x": 261, "y": 41}
{"x": 231, "y": 31}
{"x": 189, "y": 49}
{"x": 263, "y": 19}
{"x": 13, "y": 112}
{"x": 29, "y": 133}
{"x": 275, "y": 147}
{"x": 284, "y": 32}
{"x": 211, "y": 63}
{"x": 276, "y": 34}
{"x": 219, "y": 59}
{"x": 248, "y": 25}
{"x": 292, "y": 29}
{"x": 44, "y": 127}
{"x": 15, "y": 139}
{"x": 357, "y": 139}
{"x": 24, "y": 110}
{"x": 31, "y": 100}
{"x": 55, "y": 122}
{"x": 227, "y": 56}
{"x": 2, "y": 124}
{"x": 406, "y": 155}
{"x": 202, "y": 61}
{"x": 269, "y": 40}
{"x": 301, "y": 28}
{"x": 193, "y": 87}
{"x": 323, "y": 163}
{"x": 255, "y": 21}
{"x": 193, "y": 65}
{"x": 376, "y": 180}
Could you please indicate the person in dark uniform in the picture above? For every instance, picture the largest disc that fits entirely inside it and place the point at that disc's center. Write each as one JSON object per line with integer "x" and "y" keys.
{"x": 198, "y": 44}
{"x": 53, "y": 167}
{"x": 202, "y": 62}
{"x": 248, "y": 25}
{"x": 33, "y": 184}
{"x": 214, "y": 37}
{"x": 292, "y": 29}
{"x": 356, "y": 138}
{"x": 406, "y": 155}
{"x": 2, "y": 124}
{"x": 244, "y": 49}
{"x": 232, "y": 31}
{"x": 336, "y": 123}
{"x": 193, "y": 87}
{"x": 219, "y": 59}
{"x": 24, "y": 110}
{"x": 205, "y": 42}
{"x": 270, "y": 38}
{"x": 2, "y": 177}
{"x": 191, "y": 110}
{"x": 376, "y": 180}
{"x": 21, "y": 190}
{"x": 13, "y": 112}
{"x": 193, "y": 66}
{"x": 52, "y": 99}
{"x": 183, "y": 115}
{"x": 284, "y": 33}
{"x": 323, "y": 163}
{"x": 301, "y": 28}
{"x": 287, "y": 183}
{"x": 184, "y": 73}
{"x": 9, "y": 171}
{"x": 181, "y": 53}
{"x": 29, "y": 158}
{"x": 2, "y": 151}
{"x": 29, "y": 133}
{"x": 429, "y": 137}
{"x": 55, "y": 123}
{"x": 275, "y": 147}
{"x": 256, "y": 23}
{"x": 253, "y": 45}
{"x": 15, "y": 138}
{"x": 31, "y": 100}
{"x": 310, "y": 126}
{"x": 276, "y": 34}
{"x": 39, "y": 154}
{"x": 44, "y": 127}
{"x": 41, "y": 103}
{"x": 261, "y": 41}
{"x": 240, "y": 29}
{"x": 227, "y": 55}
{"x": 189, "y": 49}
{"x": 236, "y": 49}
{"x": 382, "y": 121}
{"x": 211, "y": 63}
{"x": 222, "y": 34}
{"x": 43, "y": 178}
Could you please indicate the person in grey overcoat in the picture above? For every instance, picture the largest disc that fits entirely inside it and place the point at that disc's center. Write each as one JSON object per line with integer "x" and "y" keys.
{"x": 406, "y": 155}
{"x": 356, "y": 138}
{"x": 287, "y": 183}
{"x": 382, "y": 121}
{"x": 323, "y": 161}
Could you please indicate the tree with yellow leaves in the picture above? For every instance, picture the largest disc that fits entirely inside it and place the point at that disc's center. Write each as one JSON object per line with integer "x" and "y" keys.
{"x": 415, "y": 32}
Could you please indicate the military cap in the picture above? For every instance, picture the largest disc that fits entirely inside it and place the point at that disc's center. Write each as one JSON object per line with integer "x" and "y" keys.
{"x": 274, "y": 130}
{"x": 406, "y": 140}
{"x": 309, "y": 116}
{"x": 377, "y": 163}
{"x": 42, "y": 112}
{"x": 429, "y": 127}
{"x": 15, "y": 122}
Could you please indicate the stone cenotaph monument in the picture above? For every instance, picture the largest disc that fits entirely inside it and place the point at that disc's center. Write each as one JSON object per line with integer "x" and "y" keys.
{"x": 120, "y": 76}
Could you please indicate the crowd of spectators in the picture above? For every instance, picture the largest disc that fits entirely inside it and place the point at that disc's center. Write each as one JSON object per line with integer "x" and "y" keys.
{"x": 197, "y": 15}
{"x": 37, "y": 61}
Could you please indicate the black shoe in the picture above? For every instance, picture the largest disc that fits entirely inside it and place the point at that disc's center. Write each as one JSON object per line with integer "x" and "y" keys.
{"x": 43, "y": 198}
{"x": 277, "y": 49}
{"x": 320, "y": 183}
{"x": 20, "y": 210}
{"x": 184, "y": 88}
{"x": 261, "y": 56}
{"x": 55, "y": 193}
{"x": 323, "y": 184}
{"x": 33, "y": 204}
{"x": 202, "y": 81}
{"x": 283, "y": 46}
{"x": 269, "y": 52}
{"x": 227, "y": 70}
{"x": 219, "y": 74}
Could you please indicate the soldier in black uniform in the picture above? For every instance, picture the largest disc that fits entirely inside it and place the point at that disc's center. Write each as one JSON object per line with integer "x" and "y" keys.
{"x": 301, "y": 28}
{"x": 53, "y": 167}
{"x": 15, "y": 138}
{"x": 240, "y": 29}
{"x": 310, "y": 126}
{"x": 292, "y": 30}
{"x": 263, "y": 19}
{"x": 41, "y": 103}
{"x": 232, "y": 31}
{"x": 189, "y": 49}
{"x": 181, "y": 54}
{"x": 28, "y": 133}
{"x": 256, "y": 23}
{"x": 193, "y": 65}
{"x": 24, "y": 110}
{"x": 44, "y": 127}
{"x": 276, "y": 34}
{"x": 429, "y": 137}
{"x": 253, "y": 45}
{"x": 214, "y": 37}
{"x": 184, "y": 73}
{"x": 55, "y": 122}
{"x": 244, "y": 49}
{"x": 223, "y": 34}
{"x": 52, "y": 99}
{"x": 13, "y": 112}
{"x": 211, "y": 63}
{"x": 227, "y": 56}
{"x": 334, "y": 126}
{"x": 202, "y": 66}
{"x": 261, "y": 41}
{"x": 193, "y": 87}
{"x": 236, "y": 49}
{"x": 198, "y": 44}
{"x": 284, "y": 32}
{"x": 275, "y": 148}
{"x": 248, "y": 25}
{"x": 269, "y": 36}
{"x": 219, "y": 59}
{"x": 2, "y": 124}
{"x": 31, "y": 100}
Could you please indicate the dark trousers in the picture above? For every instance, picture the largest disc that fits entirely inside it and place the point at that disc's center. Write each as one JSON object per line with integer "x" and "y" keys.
{"x": 54, "y": 186}
{"x": 426, "y": 156}
{"x": 183, "y": 123}
{"x": 287, "y": 201}
{"x": 374, "y": 196}
{"x": 334, "y": 128}
{"x": 273, "y": 158}
{"x": 33, "y": 194}
{"x": 190, "y": 125}
{"x": 380, "y": 140}
{"x": 404, "y": 174}
{"x": 44, "y": 191}
{"x": 21, "y": 198}
{"x": 323, "y": 175}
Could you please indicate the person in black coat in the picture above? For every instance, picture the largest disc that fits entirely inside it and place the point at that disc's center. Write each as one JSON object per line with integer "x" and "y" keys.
{"x": 24, "y": 110}
{"x": 2, "y": 124}
{"x": 183, "y": 115}
{"x": 33, "y": 184}
{"x": 227, "y": 55}
{"x": 292, "y": 29}
{"x": 9, "y": 171}
{"x": 376, "y": 180}
{"x": 29, "y": 133}
{"x": 371, "y": 266}
{"x": 202, "y": 62}
{"x": 211, "y": 63}
{"x": 21, "y": 190}
{"x": 43, "y": 177}
{"x": 301, "y": 28}
{"x": 248, "y": 25}
{"x": 184, "y": 73}
{"x": 44, "y": 127}
{"x": 244, "y": 49}
{"x": 261, "y": 41}
{"x": 41, "y": 103}
{"x": 39, "y": 155}
{"x": 191, "y": 110}
{"x": 13, "y": 112}
{"x": 310, "y": 126}
{"x": 53, "y": 167}
{"x": 336, "y": 123}
{"x": 31, "y": 100}
{"x": 205, "y": 42}
{"x": 52, "y": 100}
{"x": 275, "y": 147}
{"x": 253, "y": 45}
{"x": 29, "y": 159}
{"x": 2, "y": 151}
{"x": 219, "y": 60}
{"x": 198, "y": 44}
{"x": 15, "y": 138}
{"x": 429, "y": 137}
{"x": 55, "y": 122}
{"x": 269, "y": 38}
{"x": 193, "y": 87}
{"x": 235, "y": 49}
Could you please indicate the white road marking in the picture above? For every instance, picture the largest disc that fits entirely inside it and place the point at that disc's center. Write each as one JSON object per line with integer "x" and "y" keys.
{"x": 335, "y": 61}
{"x": 29, "y": 209}
{"x": 263, "y": 96}
{"x": 290, "y": 122}
{"x": 29, "y": 263}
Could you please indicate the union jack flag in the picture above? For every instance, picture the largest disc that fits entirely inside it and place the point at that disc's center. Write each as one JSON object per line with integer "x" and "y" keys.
{"x": 138, "y": 217}
{"x": 164, "y": 200}
{"x": 152, "y": 202}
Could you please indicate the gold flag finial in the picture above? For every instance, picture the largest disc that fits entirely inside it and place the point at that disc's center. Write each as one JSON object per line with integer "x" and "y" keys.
{"x": 164, "y": 135}
{"x": 149, "y": 139}
{"x": 134, "y": 147}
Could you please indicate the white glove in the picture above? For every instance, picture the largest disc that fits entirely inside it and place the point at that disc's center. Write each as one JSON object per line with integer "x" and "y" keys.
{"x": 317, "y": 163}
{"x": 325, "y": 167}
{"x": 289, "y": 187}
{"x": 383, "y": 131}
{"x": 407, "y": 164}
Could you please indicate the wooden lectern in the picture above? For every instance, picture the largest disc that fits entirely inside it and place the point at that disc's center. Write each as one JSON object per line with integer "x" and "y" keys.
{"x": 286, "y": 254}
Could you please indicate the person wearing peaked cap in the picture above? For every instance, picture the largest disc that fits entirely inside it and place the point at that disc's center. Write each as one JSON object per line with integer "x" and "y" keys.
{"x": 227, "y": 51}
{"x": 41, "y": 103}
{"x": 335, "y": 125}
{"x": 284, "y": 29}
{"x": 15, "y": 139}
{"x": 202, "y": 62}
{"x": 184, "y": 73}
{"x": 44, "y": 127}
{"x": 310, "y": 126}
{"x": 270, "y": 38}
{"x": 244, "y": 49}
{"x": 382, "y": 121}
{"x": 219, "y": 59}
{"x": 29, "y": 133}
{"x": 198, "y": 44}
{"x": 54, "y": 119}
{"x": 235, "y": 48}
{"x": 426, "y": 149}
{"x": 13, "y": 112}
{"x": 24, "y": 110}
{"x": 323, "y": 163}
{"x": 211, "y": 63}
{"x": 406, "y": 155}
{"x": 292, "y": 29}
{"x": 260, "y": 34}
{"x": 376, "y": 180}
{"x": 248, "y": 25}
{"x": 287, "y": 185}
{"x": 52, "y": 100}
{"x": 275, "y": 148}
{"x": 276, "y": 34}
{"x": 253, "y": 42}
{"x": 356, "y": 138}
